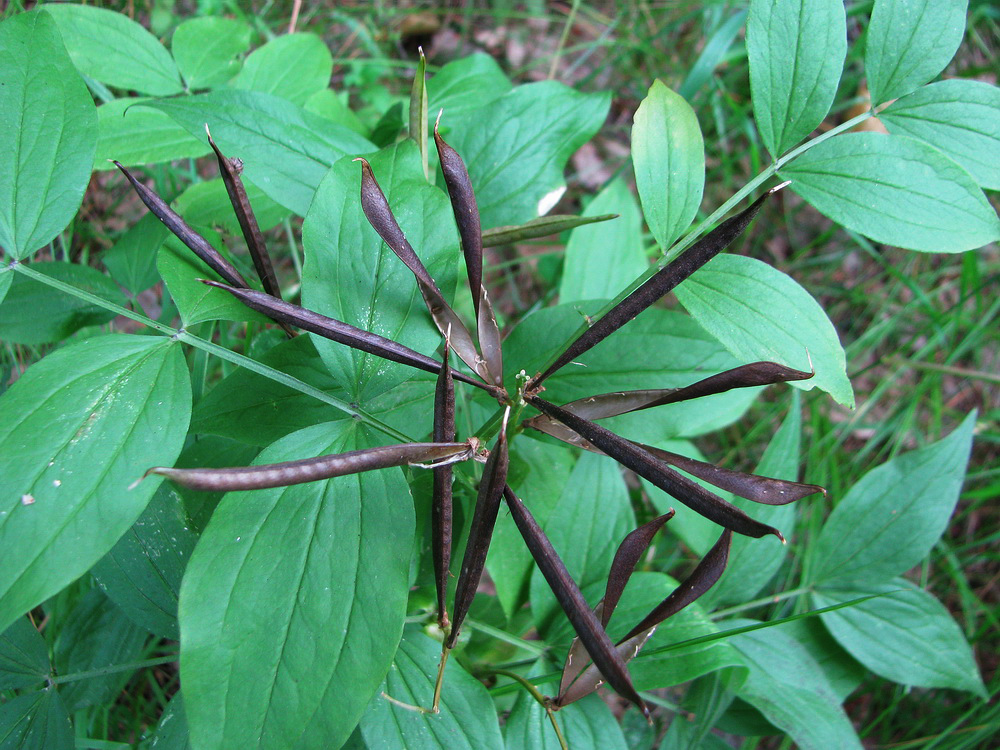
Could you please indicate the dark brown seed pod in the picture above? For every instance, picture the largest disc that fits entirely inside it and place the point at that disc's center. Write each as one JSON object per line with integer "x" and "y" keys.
{"x": 632, "y": 548}
{"x": 484, "y": 519}
{"x": 701, "y": 580}
{"x": 444, "y": 432}
{"x": 656, "y": 286}
{"x": 313, "y": 469}
{"x": 643, "y": 463}
{"x": 543, "y": 226}
{"x": 230, "y": 170}
{"x": 379, "y": 215}
{"x": 588, "y": 628}
{"x": 342, "y": 333}
{"x": 172, "y": 221}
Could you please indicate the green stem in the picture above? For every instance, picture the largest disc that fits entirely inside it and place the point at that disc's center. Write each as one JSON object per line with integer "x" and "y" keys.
{"x": 689, "y": 239}
{"x": 114, "y": 669}
{"x": 219, "y": 351}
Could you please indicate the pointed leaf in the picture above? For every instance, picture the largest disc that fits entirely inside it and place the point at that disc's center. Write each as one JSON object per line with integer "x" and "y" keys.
{"x": 137, "y": 135}
{"x": 24, "y": 656}
{"x": 655, "y": 287}
{"x": 796, "y": 51}
{"x": 418, "y": 110}
{"x": 36, "y": 721}
{"x": 65, "y": 507}
{"x": 909, "y": 42}
{"x": 51, "y": 134}
{"x": 669, "y": 156}
{"x": 292, "y": 66}
{"x": 587, "y": 724}
{"x": 324, "y": 616}
{"x": 132, "y": 260}
{"x": 464, "y": 86}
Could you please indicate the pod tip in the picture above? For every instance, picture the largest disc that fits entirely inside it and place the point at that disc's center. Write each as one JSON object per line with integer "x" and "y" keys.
{"x": 154, "y": 470}
{"x": 776, "y": 188}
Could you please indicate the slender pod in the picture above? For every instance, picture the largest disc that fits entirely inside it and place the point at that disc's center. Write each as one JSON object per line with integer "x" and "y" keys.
{"x": 543, "y": 226}
{"x": 313, "y": 469}
{"x": 444, "y": 431}
{"x": 342, "y": 333}
{"x": 418, "y": 110}
{"x": 172, "y": 221}
{"x": 230, "y": 170}
{"x": 643, "y": 463}
{"x": 484, "y": 519}
{"x": 656, "y": 286}
{"x": 588, "y": 628}
{"x": 379, "y": 215}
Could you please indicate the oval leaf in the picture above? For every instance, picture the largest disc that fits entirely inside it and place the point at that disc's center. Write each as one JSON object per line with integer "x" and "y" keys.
{"x": 206, "y": 49}
{"x": 24, "y": 656}
{"x": 669, "y": 157}
{"x": 136, "y": 135}
{"x": 758, "y": 312}
{"x": 45, "y": 166}
{"x": 796, "y": 50}
{"x": 292, "y": 66}
{"x": 909, "y": 42}
{"x": 36, "y": 721}
{"x": 75, "y": 431}
{"x": 895, "y": 190}
{"x": 312, "y": 579}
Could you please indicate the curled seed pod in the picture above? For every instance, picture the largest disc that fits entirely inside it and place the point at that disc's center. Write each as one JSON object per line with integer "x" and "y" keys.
{"x": 701, "y": 580}
{"x": 589, "y": 630}
{"x": 230, "y": 170}
{"x": 172, "y": 221}
{"x": 656, "y": 286}
{"x": 342, "y": 333}
{"x": 632, "y": 548}
{"x": 312, "y": 469}
{"x": 379, "y": 215}
{"x": 444, "y": 431}
{"x": 643, "y": 463}
{"x": 484, "y": 519}
{"x": 543, "y": 226}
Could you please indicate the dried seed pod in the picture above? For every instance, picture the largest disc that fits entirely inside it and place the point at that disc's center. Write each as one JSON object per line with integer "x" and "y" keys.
{"x": 172, "y": 221}
{"x": 230, "y": 170}
{"x": 590, "y": 631}
{"x": 701, "y": 580}
{"x": 379, "y": 215}
{"x": 656, "y": 286}
{"x": 312, "y": 469}
{"x": 444, "y": 431}
{"x": 342, "y": 333}
{"x": 484, "y": 519}
{"x": 643, "y": 463}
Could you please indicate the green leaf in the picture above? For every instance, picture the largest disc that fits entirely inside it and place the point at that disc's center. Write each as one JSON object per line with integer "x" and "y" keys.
{"x": 132, "y": 260}
{"x": 906, "y": 636}
{"x": 206, "y": 49}
{"x": 142, "y": 572}
{"x": 957, "y": 117}
{"x": 676, "y": 352}
{"x": 760, "y": 313}
{"x": 96, "y": 635}
{"x": 55, "y": 315}
{"x": 896, "y": 190}
{"x": 603, "y": 259}
{"x": 841, "y": 669}
{"x": 24, "y": 657}
{"x": 116, "y": 50}
{"x": 51, "y": 132}
{"x": 172, "y": 730}
{"x": 206, "y": 204}
{"x": 6, "y": 276}
{"x": 586, "y": 526}
{"x": 889, "y": 521}
{"x": 468, "y": 718}
{"x": 909, "y": 42}
{"x": 588, "y": 723}
{"x": 517, "y": 166}
{"x": 75, "y": 430}
{"x": 787, "y": 685}
{"x": 197, "y": 302}
{"x": 713, "y": 53}
{"x": 286, "y": 151}
{"x": 462, "y": 87}
{"x": 796, "y": 50}
{"x": 293, "y": 602}
{"x": 351, "y": 275}
{"x": 753, "y": 562}
{"x": 208, "y": 451}
{"x": 538, "y": 472}
{"x": 137, "y": 135}
{"x": 669, "y": 157}
{"x": 327, "y": 104}
{"x": 35, "y": 721}
{"x": 292, "y": 66}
